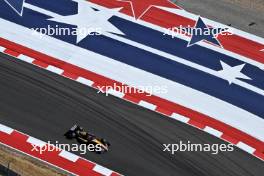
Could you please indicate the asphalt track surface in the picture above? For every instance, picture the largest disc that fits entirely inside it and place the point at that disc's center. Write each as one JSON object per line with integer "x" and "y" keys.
{"x": 246, "y": 15}
{"x": 45, "y": 105}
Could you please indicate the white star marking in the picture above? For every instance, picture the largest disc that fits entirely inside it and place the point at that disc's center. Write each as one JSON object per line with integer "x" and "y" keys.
{"x": 89, "y": 21}
{"x": 232, "y": 73}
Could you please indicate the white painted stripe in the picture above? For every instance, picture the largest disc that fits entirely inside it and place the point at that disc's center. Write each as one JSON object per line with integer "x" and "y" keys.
{"x": 115, "y": 93}
{"x": 6, "y": 129}
{"x": 69, "y": 156}
{"x": 245, "y": 147}
{"x": 221, "y": 50}
{"x": 238, "y": 32}
{"x": 213, "y": 131}
{"x": 183, "y": 37}
{"x": 185, "y": 62}
{"x": 36, "y": 142}
{"x": 180, "y": 118}
{"x": 102, "y": 170}
{"x": 54, "y": 69}
{"x": 147, "y": 105}
{"x": 180, "y": 94}
{"x": 2, "y": 49}
{"x": 85, "y": 81}
{"x": 25, "y": 58}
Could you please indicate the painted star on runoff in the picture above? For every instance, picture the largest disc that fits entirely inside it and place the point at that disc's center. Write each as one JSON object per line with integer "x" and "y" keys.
{"x": 206, "y": 34}
{"x": 140, "y": 7}
{"x": 231, "y": 74}
{"x": 90, "y": 20}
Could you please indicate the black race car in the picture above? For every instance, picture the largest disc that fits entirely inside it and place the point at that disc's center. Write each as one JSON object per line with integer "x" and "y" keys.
{"x": 83, "y": 137}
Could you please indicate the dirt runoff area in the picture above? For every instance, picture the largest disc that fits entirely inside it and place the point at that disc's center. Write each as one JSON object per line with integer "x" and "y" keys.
{"x": 25, "y": 165}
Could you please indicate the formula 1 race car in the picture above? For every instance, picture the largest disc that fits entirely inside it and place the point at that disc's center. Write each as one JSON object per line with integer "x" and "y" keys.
{"x": 83, "y": 137}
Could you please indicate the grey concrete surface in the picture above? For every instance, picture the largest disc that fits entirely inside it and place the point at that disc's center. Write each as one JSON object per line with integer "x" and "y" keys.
{"x": 239, "y": 13}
